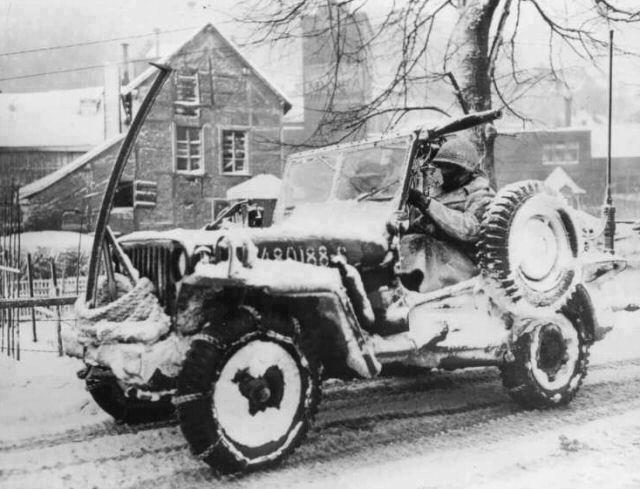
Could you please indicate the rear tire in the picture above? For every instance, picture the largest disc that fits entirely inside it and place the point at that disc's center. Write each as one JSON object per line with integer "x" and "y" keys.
{"x": 247, "y": 395}
{"x": 549, "y": 365}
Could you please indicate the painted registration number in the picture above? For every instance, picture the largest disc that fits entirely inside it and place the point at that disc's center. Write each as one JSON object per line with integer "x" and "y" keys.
{"x": 306, "y": 254}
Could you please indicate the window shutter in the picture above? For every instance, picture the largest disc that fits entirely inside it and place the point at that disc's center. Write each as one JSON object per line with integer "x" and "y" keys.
{"x": 145, "y": 193}
{"x": 206, "y": 87}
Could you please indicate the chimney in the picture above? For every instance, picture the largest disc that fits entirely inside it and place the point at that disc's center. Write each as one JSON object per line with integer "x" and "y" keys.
{"x": 125, "y": 63}
{"x": 568, "y": 102}
{"x": 111, "y": 101}
{"x": 156, "y": 31}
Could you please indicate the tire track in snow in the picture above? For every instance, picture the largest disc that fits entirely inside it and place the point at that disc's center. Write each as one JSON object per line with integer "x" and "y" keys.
{"x": 354, "y": 416}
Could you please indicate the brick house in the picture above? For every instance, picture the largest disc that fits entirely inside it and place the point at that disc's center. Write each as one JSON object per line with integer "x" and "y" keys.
{"x": 216, "y": 123}
{"x": 522, "y": 155}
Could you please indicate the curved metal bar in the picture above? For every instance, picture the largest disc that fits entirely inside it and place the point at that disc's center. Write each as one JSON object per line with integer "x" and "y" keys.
{"x": 116, "y": 173}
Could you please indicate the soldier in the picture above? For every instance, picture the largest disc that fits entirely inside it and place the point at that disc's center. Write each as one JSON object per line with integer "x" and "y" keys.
{"x": 452, "y": 203}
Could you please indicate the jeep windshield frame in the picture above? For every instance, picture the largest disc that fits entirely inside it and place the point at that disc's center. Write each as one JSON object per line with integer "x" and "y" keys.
{"x": 362, "y": 171}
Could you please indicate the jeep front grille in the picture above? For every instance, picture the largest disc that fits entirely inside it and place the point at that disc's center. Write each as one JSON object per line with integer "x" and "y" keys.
{"x": 156, "y": 262}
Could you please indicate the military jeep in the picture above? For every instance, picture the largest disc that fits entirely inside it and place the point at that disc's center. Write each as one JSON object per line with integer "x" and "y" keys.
{"x": 256, "y": 318}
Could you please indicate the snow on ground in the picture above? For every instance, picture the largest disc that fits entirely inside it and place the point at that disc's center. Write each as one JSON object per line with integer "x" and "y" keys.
{"x": 41, "y": 394}
{"x": 40, "y": 397}
{"x": 55, "y": 241}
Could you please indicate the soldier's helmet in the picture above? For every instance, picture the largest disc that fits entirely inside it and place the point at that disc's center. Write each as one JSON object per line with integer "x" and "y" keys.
{"x": 459, "y": 152}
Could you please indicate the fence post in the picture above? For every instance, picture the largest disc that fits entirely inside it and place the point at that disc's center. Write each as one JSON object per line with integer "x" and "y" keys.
{"x": 34, "y": 333}
{"x": 54, "y": 279}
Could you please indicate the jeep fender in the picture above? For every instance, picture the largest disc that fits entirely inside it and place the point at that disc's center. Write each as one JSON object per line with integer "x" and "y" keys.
{"x": 315, "y": 295}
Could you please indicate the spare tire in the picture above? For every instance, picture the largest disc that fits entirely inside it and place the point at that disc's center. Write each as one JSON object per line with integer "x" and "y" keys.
{"x": 529, "y": 247}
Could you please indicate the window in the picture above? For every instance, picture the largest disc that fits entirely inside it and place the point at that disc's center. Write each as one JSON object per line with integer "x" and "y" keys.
{"x": 124, "y": 194}
{"x": 561, "y": 154}
{"x": 189, "y": 149}
{"x": 234, "y": 151}
{"x": 187, "y": 94}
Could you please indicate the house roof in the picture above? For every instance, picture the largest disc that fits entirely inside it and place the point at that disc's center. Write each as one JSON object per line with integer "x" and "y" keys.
{"x": 72, "y": 119}
{"x": 175, "y": 49}
{"x": 625, "y": 141}
{"x": 45, "y": 182}
{"x": 263, "y": 186}
{"x": 558, "y": 179}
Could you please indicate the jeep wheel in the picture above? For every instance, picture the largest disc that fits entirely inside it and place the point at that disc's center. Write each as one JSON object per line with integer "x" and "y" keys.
{"x": 550, "y": 362}
{"x": 246, "y": 405}
{"x": 528, "y": 248}
{"x": 108, "y": 394}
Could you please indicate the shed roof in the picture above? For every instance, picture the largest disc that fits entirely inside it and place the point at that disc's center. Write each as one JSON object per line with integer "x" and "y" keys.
{"x": 625, "y": 141}
{"x": 45, "y": 182}
{"x": 263, "y": 186}
{"x": 558, "y": 179}
{"x": 72, "y": 119}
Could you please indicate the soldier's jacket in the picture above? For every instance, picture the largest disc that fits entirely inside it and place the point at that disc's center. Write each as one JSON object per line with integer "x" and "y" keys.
{"x": 454, "y": 217}
{"x": 444, "y": 251}
{"x": 457, "y": 214}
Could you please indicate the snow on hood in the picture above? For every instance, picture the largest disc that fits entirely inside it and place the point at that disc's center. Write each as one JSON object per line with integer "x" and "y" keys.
{"x": 341, "y": 220}
{"x": 286, "y": 276}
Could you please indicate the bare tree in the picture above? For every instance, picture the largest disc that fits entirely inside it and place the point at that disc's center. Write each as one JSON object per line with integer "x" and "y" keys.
{"x": 481, "y": 51}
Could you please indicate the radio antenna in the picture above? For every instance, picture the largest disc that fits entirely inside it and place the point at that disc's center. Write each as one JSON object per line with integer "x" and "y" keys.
{"x": 609, "y": 209}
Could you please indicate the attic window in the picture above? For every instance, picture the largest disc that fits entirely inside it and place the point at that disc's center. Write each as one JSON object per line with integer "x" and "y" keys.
{"x": 187, "y": 94}
{"x": 89, "y": 106}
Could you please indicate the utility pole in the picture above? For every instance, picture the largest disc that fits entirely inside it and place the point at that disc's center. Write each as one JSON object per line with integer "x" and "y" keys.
{"x": 609, "y": 209}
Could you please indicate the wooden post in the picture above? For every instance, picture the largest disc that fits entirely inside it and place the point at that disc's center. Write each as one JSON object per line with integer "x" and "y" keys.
{"x": 34, "y": 332}
{"x": 54, "y": 279}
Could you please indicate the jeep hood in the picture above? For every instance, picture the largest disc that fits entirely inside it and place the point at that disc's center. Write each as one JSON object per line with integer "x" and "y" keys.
{"x": 354, "y": 228}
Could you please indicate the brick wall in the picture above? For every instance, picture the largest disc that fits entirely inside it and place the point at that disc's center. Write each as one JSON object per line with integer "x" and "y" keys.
{"x": 45, "y": 210}
{"x": 519, "y": 156}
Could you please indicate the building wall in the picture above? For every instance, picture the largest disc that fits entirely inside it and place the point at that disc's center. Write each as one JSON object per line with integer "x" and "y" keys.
{"x": 520, "y": 156}
{"x": 625, "y": 179}
{"x": 70, "y": 197}
{"x": 326, "y": 91}
{"x": 231, "y": 96}
{"x": 21, "y": 166}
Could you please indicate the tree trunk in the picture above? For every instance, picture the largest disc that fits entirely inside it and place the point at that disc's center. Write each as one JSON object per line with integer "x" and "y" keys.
{"x": 469, "y": 58}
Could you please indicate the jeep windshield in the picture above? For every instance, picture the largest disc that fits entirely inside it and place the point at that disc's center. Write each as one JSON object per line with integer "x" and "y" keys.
{"x": 366, "y": 171}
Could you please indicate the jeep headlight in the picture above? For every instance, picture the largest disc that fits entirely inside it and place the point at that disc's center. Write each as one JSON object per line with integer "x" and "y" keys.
{"x": 202, "y": 254}
{"x": 180, "y": 264}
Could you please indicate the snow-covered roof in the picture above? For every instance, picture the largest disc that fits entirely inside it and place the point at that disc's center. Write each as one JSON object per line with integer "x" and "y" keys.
{"x": 174, "y": 50}
{"x": 54, "y": 242}
{"x": 263, "y": 186}
{"x": 558, "y": 179}
{"x": 45, "y": 182}
{"x": 57, "y": 119}
{"x": 625, "y": 141}
{"x": 513, "y": 130}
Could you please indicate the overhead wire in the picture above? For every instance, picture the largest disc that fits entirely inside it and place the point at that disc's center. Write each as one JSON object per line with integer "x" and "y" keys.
{"x": 95, "y": 41}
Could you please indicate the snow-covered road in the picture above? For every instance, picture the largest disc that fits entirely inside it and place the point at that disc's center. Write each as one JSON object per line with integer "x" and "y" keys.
{"x": 440, "y": 430}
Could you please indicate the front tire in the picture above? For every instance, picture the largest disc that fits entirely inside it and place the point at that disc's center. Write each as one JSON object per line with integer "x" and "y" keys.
{"x": 550, "y": 358}
{"x": 246, "y": 404}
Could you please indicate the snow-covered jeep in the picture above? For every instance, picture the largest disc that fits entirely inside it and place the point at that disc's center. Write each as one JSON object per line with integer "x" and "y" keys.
{"x": 238, "y": 327}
